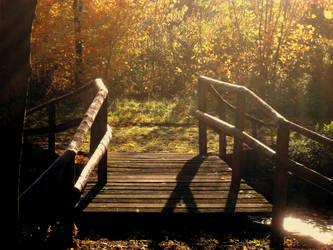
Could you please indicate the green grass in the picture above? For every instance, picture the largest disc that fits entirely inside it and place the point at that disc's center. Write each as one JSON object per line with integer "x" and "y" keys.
{"x": 123, "y": 112}
{"x": 156, "y": 126}
{"x": 182, "y": 139}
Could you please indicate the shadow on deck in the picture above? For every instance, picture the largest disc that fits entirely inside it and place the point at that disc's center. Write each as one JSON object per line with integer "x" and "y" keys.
{"x": 170, "y": 183}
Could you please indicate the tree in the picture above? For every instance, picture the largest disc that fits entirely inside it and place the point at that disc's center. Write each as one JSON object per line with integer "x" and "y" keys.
{"x": 15, "y": 27}
{"x": 77, "y": 12}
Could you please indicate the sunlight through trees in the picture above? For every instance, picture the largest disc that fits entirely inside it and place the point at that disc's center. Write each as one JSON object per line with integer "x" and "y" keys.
{"x": 281, "y": 49}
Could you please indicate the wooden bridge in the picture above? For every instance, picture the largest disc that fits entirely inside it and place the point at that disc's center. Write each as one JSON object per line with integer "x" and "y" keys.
{"x": 168, "y": 182}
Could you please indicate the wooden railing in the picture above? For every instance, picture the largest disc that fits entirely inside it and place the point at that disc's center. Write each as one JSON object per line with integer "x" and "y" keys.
{"x": 56, "y": 190}
{"x": 53, "y": 128}
{"x": 283, "y": 163}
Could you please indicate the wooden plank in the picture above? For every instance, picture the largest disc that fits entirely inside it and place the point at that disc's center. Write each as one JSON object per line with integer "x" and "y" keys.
{"x": 161, "y": 206}
{"x": 153, "y": 188}
{"x": 175, "y": 210}
{"x": 168, "y": 186}
{"x": 161, "y": 170}
{"x": 164, "y": 195}
{"x": 163, "y": 183}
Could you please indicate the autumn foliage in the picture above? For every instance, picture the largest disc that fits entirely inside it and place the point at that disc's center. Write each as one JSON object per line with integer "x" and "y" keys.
{"x": 281, "y": 49}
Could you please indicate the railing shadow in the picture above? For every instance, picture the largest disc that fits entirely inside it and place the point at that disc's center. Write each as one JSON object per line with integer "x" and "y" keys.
{"x": 182, "y": 191}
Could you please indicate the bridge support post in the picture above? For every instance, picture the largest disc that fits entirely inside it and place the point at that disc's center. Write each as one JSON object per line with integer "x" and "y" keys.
{"x": 202, "y": 106}
{"x": 51, "y": 136}
{"x": 237, "y": 161}
{"x": 98, "y": 129}
{"x": 280, "y": 187}
{"x": 69, "y": 199}
{"x": 222, "y": 137}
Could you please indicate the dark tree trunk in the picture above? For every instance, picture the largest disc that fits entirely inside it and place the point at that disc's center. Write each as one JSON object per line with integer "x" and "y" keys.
{"x": 15, "y": 28}
{"x": 77, "y": 11}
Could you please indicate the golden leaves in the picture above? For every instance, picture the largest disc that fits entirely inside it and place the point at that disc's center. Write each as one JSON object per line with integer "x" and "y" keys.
{"x": 328, "y": 14}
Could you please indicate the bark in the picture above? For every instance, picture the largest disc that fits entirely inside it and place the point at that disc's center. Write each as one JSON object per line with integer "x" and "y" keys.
{"x": 77, "y": 11}
{"x": 15, "y": 28}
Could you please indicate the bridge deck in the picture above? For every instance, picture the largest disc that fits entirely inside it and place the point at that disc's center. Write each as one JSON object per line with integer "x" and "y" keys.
{"x": 170, "y": 182}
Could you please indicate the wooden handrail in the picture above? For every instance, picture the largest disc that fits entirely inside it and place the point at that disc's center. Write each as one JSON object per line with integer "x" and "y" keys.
{"x": 89, "y": 117}
{"x": 60, "y": 98}
{"x": 222, "y": 101}
{"x": 93, "y": 161}
{"x": 276, "y": 116}
{"x": 237, "y": 88}
{"x": 219, "y": 125}
{"x": 62, "y": 171}
{"x": 309, "y": 133}
{"x": 59, "y": 165}
{"x": 298, "y": 169}
{"x": 80, "y": 134}
{"x": 280, "y": 157}
{"x": 57, "y": 128}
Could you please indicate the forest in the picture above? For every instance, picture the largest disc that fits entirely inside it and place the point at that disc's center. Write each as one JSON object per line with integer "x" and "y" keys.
{"x": 281, "y": 49}
{"x": 150, "y": 54}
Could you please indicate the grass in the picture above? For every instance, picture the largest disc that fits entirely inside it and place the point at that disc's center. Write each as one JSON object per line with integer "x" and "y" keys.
{"x": 156, "y": 126}
{"x": 182, "y": 139}
{"x": 123, "y": 112}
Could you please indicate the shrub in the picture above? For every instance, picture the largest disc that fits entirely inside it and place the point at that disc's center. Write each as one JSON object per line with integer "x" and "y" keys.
{"x": 313, "y": 154}
{"x": 317, "y": 157}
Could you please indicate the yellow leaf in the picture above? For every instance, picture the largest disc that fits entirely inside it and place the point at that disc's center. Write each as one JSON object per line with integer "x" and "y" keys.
{"x": 76, "y": 230}
{"x": 179, "y": 69}
{"x": 241, "y": 191}
{"x": 222, "y": 178}
{"x": 328, "y": 14}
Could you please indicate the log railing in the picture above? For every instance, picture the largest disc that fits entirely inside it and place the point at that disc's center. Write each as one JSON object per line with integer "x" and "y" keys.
{"x": 52, "y": 128}
{"x": 57, "y": 189}
{"x": 283, "y": 163}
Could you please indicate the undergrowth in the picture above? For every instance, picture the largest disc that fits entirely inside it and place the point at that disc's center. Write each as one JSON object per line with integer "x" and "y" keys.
{"x": 123, "y": 112}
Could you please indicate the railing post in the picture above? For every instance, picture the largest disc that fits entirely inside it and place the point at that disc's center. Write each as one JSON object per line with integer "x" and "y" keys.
{"x": 69, "y": 200}
{"x": 237, "y": 160}
{"x": 280, "y": 187}
{"x": 51, "y": 135}
{"x": 222, "y": 136}
{"x": 202, "y": 106}
{"x": 98, "y": 129}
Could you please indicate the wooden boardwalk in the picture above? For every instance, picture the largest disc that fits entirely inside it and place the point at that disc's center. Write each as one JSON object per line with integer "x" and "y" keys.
{"x": 170, "y": 183}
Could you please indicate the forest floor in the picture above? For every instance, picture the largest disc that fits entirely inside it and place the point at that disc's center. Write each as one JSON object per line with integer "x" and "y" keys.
{"x": 154, "y": 127}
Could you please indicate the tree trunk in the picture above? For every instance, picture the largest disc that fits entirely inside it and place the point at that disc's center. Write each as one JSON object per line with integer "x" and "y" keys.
{"x": 15, "y": 29}
{"x": 77, "y": 11}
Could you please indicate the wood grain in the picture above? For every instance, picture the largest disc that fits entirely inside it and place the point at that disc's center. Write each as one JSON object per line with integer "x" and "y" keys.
{"x": 169, "y": 183}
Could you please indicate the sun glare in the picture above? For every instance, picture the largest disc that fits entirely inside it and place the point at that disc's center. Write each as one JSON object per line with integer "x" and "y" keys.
{"x": 301, "y": 227}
